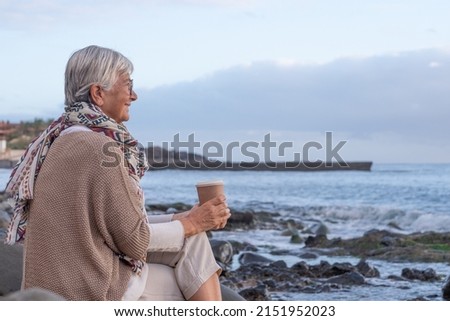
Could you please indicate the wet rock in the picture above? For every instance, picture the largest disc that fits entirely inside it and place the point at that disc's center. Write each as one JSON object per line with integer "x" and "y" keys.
{"x": 427, "y": 275}
{"x": 394, "y": 226}
{"x": 4, "y": 219}
{"x": 385, "y": 245}
{"x": 3, "y": 196}
{"x": 316, "y": 241}
{"x": 178, "y": 207}
{"x": 338, "y": 269}
{"x": 240, "y": 220}
{"x": 6, "y": 207}
{"x": 278, "y": 264}
{"x": 396, "y": 278}
{"x": 296, "y": 239}
{"x": 319, "y": 270}
{"x": 252, "y": 258}
{"x": 419, "y": 298}
{"x": 349, "y": 278}
{"x": 240, "y": 247}
{"x": 229, "y": 295}
{"x": 365, "y": 269}
{"x": 258, "y": 293}
{"x": 32, "y": 294}
{"x": 276, "y": 276}
{"x": 318, "y": 229}
{"x": 446, "y": 290}
{"x": 292, "y": 227}
{"x": 388, "y": 240}
{"x": 308, "y": 256}
{"x": 321, "y": 288}
{"x": 10, "y": 268}
{"x": 223, "y": 250}
{"x": 280, "y": 252}
{"x": 302, "y": 269}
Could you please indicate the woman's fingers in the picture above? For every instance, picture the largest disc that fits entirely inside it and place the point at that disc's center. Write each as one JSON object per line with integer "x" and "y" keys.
{"x": 214, "y": 214}
{"x": 217, "y": 200}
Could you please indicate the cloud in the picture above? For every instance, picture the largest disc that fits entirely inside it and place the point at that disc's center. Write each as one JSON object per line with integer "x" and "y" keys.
{"x": 434, "y": 64}
{"x": 362, "y": 97}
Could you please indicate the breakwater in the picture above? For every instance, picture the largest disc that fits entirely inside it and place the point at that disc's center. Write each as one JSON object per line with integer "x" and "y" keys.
{"x": 261, "y": 166}
{"x": 195, "y": 162}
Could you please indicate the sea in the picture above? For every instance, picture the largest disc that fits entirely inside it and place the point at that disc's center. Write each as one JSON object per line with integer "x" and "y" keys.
{"x": 403, "y": 198}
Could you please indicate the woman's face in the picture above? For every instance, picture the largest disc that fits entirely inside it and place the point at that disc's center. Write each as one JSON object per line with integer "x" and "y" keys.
{"x": 117, "y": 100}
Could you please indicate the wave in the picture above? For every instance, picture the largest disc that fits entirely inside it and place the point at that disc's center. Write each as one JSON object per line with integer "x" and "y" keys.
{"x": 356, "y": 220}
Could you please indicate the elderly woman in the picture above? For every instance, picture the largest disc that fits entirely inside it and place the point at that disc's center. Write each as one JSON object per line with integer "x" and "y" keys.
{"x": 78, "y": 198}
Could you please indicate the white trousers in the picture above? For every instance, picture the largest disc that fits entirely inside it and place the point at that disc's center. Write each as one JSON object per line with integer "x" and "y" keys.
{"x": 177, "y": 276}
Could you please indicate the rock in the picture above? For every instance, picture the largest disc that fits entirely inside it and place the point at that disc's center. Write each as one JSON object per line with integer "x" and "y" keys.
{"x": 3, "y": 196}
{"x": 280, "y": 252}
{"x": 385, "y": 245}
{"x": 223, "y": 250}
{"x": 6, "y": 207}
{"x": 302, "y": 269}
{"x": 308, "y": 256}
{"x": 179, "y": 207}
{"x": 394, "y": 226}
{"x": 296, "y": 239}
{"x": 252, "y": 258}
{"x": 320, "y": 229}
{"x": 316, "y": 241}
{"x": 292, "y": 227}
{"x": 339, "y": 268}
{"x": 396, "y": 278}
{"x": 388, "y": 240}
{"x": 10, "y": 268}
{"x": 239, "y": 247}
{"x": 427, "y": 275}
{"x": 240, "y": 220}
{"x": 278, "y": 264}
{"x": 349, "y": 278}
{"x": 446, "y": 290}
{"x": 321, "y": 269}
{"x": 230, "y": 295}
{"x": 4, "y": 219}
{"x": 419, "y": 298}
{"x": 366, "y": 270}
{"x": 258, "y": 293}
{"x": 32, "y": 294}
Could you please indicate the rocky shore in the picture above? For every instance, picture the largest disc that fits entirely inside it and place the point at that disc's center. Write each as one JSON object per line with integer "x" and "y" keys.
{"x": 256, "y": 276}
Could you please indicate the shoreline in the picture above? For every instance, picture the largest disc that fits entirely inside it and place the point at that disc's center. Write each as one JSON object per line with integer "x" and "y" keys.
{"x": 319, "y": 267}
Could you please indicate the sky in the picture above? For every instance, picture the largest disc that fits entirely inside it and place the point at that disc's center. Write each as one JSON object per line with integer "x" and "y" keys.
{"x": 375, "y": 73}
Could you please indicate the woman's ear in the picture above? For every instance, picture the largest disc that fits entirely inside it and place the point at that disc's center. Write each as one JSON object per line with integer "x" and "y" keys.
{"x": 96, "y": 94}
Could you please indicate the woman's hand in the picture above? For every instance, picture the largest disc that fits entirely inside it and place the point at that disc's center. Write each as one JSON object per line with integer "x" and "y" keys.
{"x": 212, "y": 215}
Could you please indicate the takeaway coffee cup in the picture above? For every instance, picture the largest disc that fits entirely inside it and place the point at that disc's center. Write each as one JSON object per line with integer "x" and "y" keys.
{"x": 208, "y": 190}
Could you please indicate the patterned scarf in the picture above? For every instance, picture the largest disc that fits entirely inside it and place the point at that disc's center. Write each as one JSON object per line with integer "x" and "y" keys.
{"x": 21, "y": 183}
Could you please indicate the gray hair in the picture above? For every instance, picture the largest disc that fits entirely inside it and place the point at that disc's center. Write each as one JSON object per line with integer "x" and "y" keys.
{"x": 93, "y": 65}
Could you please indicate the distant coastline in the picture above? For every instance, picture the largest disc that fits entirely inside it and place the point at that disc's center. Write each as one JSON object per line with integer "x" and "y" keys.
{"x": 184, "y": 161}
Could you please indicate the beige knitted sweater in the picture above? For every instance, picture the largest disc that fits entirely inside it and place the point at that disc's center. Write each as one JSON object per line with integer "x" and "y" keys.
{"x": 83, "y": 213}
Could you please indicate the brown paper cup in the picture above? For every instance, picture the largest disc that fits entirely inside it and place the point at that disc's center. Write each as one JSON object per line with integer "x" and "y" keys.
{"x": 208, "y": 190}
